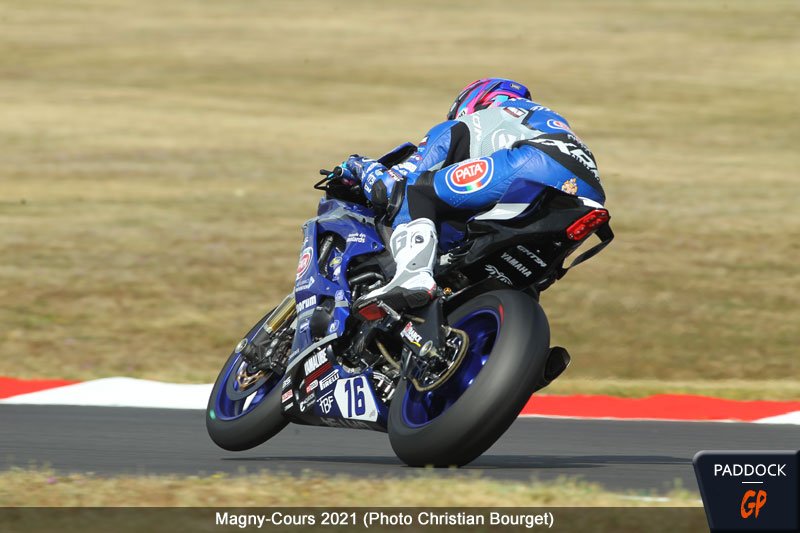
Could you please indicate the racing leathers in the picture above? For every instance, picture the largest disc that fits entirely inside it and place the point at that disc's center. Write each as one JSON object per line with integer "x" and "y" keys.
{"x": 465, "y": 166}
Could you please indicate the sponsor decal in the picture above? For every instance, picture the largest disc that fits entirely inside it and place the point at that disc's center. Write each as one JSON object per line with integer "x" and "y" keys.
{"x": 749, "y": 490}
{"x": 286, "y": 396}
{"x": 575, "y": 150}
{"x": 339, "y": 296}
{"x": 519, "y": 267}
{"x": 326, "y": 403}
{"x": 470, "y": 176}
{"x": 369, "y": 182}
{"x": 516, "y": 112}
{"x": 309, "y": 302}
{"x": 304, "y": 326}
{"x": 407, "y": 168}
{"x": 287, "y": 382}
{"x": 496, "y": 273}
{"x": 311, "y": 386}
{"x": 558, "y": 125}
{"x": 333, "y": 327}
{"x": 307, "y": 402}
{"x": 536, "y": 258}
{"x": 328, "y": 380}
{"x": 305, "y": 285}
{"x": 504, "y": 139}
{"x": 314, "y": 362}
{"x": 336, "y": 261}
{"x": 396, "y": 176}
{"x": 411, "y": 334}
{"x": 305, "y": 261}
{"x": 570, "y": 186}
{"x": 476, "y": 126}
{"x": 357, "y": 237}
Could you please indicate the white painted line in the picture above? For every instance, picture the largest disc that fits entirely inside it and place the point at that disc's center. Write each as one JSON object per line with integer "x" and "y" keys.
{"x": 121, "y": 392}
{"x": 131, "y": 392}
{"x": 788, "y": 418}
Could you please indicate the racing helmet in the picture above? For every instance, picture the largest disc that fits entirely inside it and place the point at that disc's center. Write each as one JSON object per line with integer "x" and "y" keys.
{"x": 486, "y": 93}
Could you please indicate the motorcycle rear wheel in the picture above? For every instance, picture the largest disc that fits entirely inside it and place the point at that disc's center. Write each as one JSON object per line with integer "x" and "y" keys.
{"x": 456, "y": 423}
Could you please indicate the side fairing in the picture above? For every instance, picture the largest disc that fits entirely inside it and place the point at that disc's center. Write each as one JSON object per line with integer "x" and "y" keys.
{"x": 354, "y": 226}
{"x": 317, "y": 390}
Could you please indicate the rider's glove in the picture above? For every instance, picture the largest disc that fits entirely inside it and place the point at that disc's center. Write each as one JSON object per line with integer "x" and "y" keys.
{"x": 355, "y": 166}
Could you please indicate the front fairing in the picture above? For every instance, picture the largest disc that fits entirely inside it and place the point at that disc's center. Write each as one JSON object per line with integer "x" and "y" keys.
{"x": 354, "y": 225}
{"x": 316, "y": 389}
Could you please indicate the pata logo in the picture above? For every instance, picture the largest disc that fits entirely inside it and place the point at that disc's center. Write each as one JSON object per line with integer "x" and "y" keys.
{"x": 470, "y": 176}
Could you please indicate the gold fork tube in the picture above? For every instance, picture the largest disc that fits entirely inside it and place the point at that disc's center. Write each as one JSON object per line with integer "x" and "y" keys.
{"x": 281, "y": 315}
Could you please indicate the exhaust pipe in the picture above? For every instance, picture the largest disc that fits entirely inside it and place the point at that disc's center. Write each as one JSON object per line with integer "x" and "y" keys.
{"x": 557, "y": 361}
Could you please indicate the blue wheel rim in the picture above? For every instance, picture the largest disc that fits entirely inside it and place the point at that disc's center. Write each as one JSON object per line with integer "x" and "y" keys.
{"x": 421, "y": 408}
{"x": 227, "y": 408}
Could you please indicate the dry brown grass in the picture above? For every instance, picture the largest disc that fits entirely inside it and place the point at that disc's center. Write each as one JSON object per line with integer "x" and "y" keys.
{"x": 157, "y": 159}
{"x": 44, "y": 488}
{"x": 734, "y": 389}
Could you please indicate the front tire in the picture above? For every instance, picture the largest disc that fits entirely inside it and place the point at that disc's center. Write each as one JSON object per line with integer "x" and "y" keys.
{"x": 236, "y": 427}
{"x": 454, "y": 424}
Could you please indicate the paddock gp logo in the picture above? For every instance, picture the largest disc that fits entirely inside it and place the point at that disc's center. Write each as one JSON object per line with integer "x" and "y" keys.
{"x": 470, "y": 176}
{"x": 749, "y": 491}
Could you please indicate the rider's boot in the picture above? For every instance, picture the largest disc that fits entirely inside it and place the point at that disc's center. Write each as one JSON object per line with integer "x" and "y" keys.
{"x": 413, "y": 246}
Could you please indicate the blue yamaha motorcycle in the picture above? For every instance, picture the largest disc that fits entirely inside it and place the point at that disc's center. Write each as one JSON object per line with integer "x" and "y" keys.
{"x": 445, "y": 381}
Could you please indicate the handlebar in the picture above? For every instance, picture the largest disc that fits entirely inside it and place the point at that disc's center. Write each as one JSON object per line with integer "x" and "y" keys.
{"x": 340, "y": 183}
{"x": 338, "y": 172}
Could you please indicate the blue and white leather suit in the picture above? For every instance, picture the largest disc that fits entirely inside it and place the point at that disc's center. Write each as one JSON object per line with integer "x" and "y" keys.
{"x": 470, "y": 162}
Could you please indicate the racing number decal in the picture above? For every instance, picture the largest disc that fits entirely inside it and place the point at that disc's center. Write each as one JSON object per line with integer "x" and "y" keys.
{"x": 355, "y": 397}
{"x": 355, "y": 400}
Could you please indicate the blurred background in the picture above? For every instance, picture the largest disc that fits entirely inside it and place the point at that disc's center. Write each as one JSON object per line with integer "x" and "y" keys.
{"x": 157, "y": 158}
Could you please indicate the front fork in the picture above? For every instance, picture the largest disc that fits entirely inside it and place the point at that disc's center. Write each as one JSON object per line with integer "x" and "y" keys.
{"x": 258, "y": 351}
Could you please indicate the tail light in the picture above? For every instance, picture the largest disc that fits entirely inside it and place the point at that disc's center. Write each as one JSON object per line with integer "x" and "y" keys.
{"x": 372, "y": 312}
{"x": 586, "y": 224}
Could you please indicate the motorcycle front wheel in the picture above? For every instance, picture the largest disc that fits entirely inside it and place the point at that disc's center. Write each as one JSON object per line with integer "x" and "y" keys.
{"x": 239, "y": 418}
{"x": 509, "y": 341}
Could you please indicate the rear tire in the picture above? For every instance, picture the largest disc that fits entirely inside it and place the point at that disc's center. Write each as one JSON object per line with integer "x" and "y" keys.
{"x": 493, "y": 398}
{"x": 258, "y": 424}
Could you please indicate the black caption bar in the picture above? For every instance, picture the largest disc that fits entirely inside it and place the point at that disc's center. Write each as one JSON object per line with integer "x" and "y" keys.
{"x": 395, "y": 519}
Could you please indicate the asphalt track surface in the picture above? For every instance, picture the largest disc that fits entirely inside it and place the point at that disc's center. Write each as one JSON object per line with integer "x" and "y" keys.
{"x": 621, "y": 455}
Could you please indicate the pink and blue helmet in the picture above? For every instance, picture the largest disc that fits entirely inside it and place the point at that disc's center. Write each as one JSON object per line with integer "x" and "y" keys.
{"x": 485, "y": 93}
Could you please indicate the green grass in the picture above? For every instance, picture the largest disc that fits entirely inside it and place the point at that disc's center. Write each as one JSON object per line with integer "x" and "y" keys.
{"x": 157, "y": 162}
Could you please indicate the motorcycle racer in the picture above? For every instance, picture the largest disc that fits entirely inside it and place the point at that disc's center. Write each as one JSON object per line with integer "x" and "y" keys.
{"x": 494, "y": 134}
